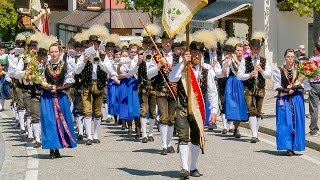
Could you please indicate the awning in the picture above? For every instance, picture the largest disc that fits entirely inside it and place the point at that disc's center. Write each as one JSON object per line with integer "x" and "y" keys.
{"x": 119, "y": 19}
{"x": 221, "y": 9}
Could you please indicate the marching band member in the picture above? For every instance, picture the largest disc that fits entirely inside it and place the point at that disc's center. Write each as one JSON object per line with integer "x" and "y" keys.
{"x": 4, "y": 83}
{"x": 254, "y": 71}
{"x": 93, "y": 72}
{"x": 235, "y": 107}
{"x": 165, "y": 100}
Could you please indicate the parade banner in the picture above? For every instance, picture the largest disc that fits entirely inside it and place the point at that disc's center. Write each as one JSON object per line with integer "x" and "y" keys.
{"x": 178, "y": 13}
{"x": 197, "y": 102}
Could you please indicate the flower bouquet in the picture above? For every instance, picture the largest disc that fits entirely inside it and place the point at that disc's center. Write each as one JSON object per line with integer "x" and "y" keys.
{"x": 308, "y": 69}
{"x": 33, "y": 74}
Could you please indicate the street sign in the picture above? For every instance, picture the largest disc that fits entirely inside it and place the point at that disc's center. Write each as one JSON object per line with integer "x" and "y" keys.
{"x": 201, "y": 25}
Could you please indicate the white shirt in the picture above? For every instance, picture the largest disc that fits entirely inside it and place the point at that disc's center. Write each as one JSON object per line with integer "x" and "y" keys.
{"x": 242, "y": 76}
{"x": 212, "y": 92}
{"x": 231, "y": 68}
{"x": 276, "y": 77}
{"x": 104, "y": 65}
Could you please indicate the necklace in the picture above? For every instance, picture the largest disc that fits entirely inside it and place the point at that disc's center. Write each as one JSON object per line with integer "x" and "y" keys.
{"x": 289, "y": 74}
{"x": 58, "y": 70}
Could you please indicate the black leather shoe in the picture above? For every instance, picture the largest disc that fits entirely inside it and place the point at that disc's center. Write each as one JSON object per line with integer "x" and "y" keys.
{"x": 80, "y": 137}
{"x": 212, "y": 126}
{"x": 195, "y": 173}
{"x": 89, "y": 142}
{"x": 184, "y": 174}
{"x": 171, "y": 150}
{"x": 57, "y": 154}
{"x": 237, "y": 135}
{"x": 52, "y": 156}
{"x": 37, "y": 145}
{"x": 144, "y": 140}
{"x": 289, "y": 153}
{"x": 29, "y": 139}
{"x": 96, "y": 141}
{"x": 150, "y": 138}
{"x": 224, "y": 131}
{"x": 231, "y": 130}
{"x": 164, "y": 151}
{"x": 254, "y": 140}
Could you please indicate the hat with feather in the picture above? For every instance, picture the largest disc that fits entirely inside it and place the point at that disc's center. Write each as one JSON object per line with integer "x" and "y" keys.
{"x": 20, "y": 40}
{"x": 124, "y": 45}
{"x": 97, "y": 33}
{"x": 136, "y": 41}
{"x": 230, "y": 44}
{"x": 203, "y": 39}
{"x": 153, "y": 30}
{"x": 257, "y": 39}
{"x": 113, "y": 40}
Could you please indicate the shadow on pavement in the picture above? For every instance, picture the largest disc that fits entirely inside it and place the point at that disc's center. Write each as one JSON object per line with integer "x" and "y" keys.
{"x": 269, "y": 116}
{"x": 151, "y": 151}
{"x": 46, "y": 156}
{"x": 236, "y": 139}
{"x": 137, "y": 172}
{"x": 274, "y": 153}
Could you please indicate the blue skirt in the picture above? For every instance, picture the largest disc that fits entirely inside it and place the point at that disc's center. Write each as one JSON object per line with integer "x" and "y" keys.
{"x": 235, "y": 105}
{"x": 113, "y": 97}
{"x": 5, "y": 92}
{"x": 290, "y": 133}
{"x": 49, "y": 129}
{"x": 129, "y": 106}
{"x": 208, "y": 112}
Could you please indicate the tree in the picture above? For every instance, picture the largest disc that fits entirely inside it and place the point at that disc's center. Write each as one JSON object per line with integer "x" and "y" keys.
{"x": 309, "y": 8}
{"x": 10, "y": 20}
{"x": 152, "y": 7}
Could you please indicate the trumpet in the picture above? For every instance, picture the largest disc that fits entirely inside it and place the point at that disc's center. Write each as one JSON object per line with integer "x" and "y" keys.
{"x": 148, "y": 55}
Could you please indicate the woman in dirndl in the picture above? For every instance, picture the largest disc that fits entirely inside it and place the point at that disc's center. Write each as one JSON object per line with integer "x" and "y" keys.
{"x": 129, "y": 106}
{"x": 290, "y": 109}
{"x": 55, "y": 114}
{"x": 235, "y": 107}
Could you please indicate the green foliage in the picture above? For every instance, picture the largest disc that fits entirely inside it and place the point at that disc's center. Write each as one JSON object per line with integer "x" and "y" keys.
{"x": 304, "y": 7}
{"x": 153, "y": 7}
{"x": 10, "y": 20}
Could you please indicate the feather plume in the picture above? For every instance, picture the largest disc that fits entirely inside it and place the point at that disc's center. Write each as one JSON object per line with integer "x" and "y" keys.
{"x": 78, "y": 37}
{"x": 21, "y": 37}
{"x": 47, "y": 41}
{"x": 99, "y": 30}
{"x": 38, "y": 36}
{"x": 233, "y": 41}
{"x": 136, "y": 41}
{"x": 123, "y": 44}
{"x": 221, "y": 35}
{"x": 153, "y": 30}
{"x": 258, "y": 35}
{"x": 206, "y": 37}
{"x": 115, "y": 38}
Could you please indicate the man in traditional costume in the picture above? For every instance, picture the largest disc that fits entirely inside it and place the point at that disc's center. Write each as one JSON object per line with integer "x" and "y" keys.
{"x": 165, "y": 95}
{"x": 254, "y": 71}
{"x": 93, "y": 72}
{"x": 202, "y": 82}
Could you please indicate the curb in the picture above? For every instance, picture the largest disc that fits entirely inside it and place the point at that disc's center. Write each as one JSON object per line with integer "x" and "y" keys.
{"x": 271, "y": 132}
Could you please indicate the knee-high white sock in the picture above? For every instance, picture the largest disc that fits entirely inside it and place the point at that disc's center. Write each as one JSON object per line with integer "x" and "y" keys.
{"x": 258, "y": 120}
{"x": 195, "y": 152}
{"x": 231, "y": 126}
{"x": 97, "y": 122}
{"x": 224, "y": 121}
{"x": 151, "y": 125}
{"x": 2, "y": 104}
{"x": 36, "y": 131}
{"x": 164, "y": 134}
{"x": 29, "y": 127}
{"x": 87, "y": 124}
{"x": 143, "y": 122}
{"x": 80, "y": 124}
{"x": 184, "y": 155}
{"x": 169, "y": 136}
{"x": 253, "y": 125}
{"x": 21, "y": 119}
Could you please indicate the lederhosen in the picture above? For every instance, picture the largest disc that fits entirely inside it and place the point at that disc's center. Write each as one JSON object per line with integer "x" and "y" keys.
{"x": 254, "y": 91}
{"x": 184, "y": 122}
{"x": 165, "y": 100}
{"x": 147, "y": 95}
{"x": 87, "y": 90}
{"x": 78, "y": 108}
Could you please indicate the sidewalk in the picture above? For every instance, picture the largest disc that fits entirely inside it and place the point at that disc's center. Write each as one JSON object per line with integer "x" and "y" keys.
{"x": 268, "y": 124}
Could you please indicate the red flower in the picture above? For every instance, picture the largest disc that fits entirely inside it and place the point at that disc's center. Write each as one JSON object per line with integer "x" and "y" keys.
{"x": 306, "y": 68}
{"x": 55, "y": 75}
{"x": 30, "y": 72}
{"x": 311, "y": 69}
